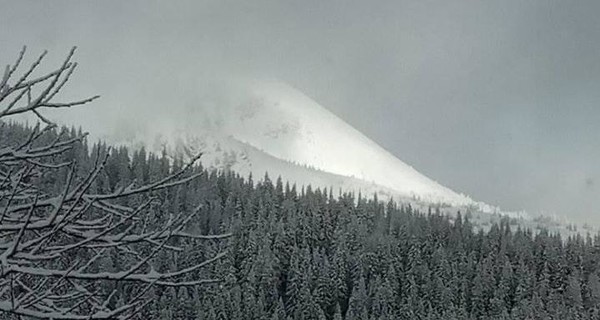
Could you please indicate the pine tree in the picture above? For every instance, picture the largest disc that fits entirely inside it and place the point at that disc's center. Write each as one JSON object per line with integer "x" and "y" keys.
{"x": 359, "y": 302}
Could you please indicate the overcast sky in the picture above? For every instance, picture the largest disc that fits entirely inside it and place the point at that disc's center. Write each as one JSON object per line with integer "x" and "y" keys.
{"x": 496, "y": 99}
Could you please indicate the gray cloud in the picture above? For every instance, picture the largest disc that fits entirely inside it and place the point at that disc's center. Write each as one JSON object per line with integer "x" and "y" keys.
{"x": 498, "y": 99}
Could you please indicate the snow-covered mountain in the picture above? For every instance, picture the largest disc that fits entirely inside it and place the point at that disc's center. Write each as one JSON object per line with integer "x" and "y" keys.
{"x": 273, "y": 128}
{"x": 288, "y": 125}
{"x": 277, "y": 129}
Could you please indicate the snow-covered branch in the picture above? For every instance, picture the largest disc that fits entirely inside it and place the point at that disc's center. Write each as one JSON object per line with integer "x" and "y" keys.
{"x": 54, "y": 243}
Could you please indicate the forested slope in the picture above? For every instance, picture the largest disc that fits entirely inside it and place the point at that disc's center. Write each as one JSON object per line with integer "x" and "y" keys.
{"x": 299, "y": 253}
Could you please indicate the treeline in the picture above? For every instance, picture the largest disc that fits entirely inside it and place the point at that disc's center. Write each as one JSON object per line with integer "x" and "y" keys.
{"x": 303, "y": 253}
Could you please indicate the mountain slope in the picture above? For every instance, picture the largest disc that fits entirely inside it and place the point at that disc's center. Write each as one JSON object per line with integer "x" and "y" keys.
{"x": 288, "y": 125}
{"x": 276, "y": 129}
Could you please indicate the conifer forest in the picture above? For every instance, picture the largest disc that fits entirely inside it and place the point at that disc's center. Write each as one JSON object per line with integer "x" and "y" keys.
{"x": 299, "y": 160}
{"x": 302, "y": 253}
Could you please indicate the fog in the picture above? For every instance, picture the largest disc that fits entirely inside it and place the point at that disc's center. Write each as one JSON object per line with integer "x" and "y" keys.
{"x": 498, "y": 100}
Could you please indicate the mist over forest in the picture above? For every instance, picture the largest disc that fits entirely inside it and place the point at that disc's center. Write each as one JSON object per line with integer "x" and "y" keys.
{"x": 507, "y": 91}
{"x": 311, "y": 160}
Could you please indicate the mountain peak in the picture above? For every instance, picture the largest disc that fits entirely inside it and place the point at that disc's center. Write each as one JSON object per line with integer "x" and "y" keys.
{"x": 275, "y": 128}
{"x": 287, "y": 124}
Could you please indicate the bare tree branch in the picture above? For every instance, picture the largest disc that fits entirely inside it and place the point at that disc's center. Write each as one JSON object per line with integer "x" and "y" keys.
{"x": 52, "y": 243}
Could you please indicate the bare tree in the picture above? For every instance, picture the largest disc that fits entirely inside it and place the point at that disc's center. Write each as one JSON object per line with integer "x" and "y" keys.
{"x": 50, "y": 243}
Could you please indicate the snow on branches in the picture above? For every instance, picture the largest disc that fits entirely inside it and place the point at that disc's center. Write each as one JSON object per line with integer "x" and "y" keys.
{"x": 52, "y": 242}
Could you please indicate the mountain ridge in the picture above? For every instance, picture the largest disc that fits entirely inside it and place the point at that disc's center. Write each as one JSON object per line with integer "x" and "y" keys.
{"x": 274, "y": 126}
